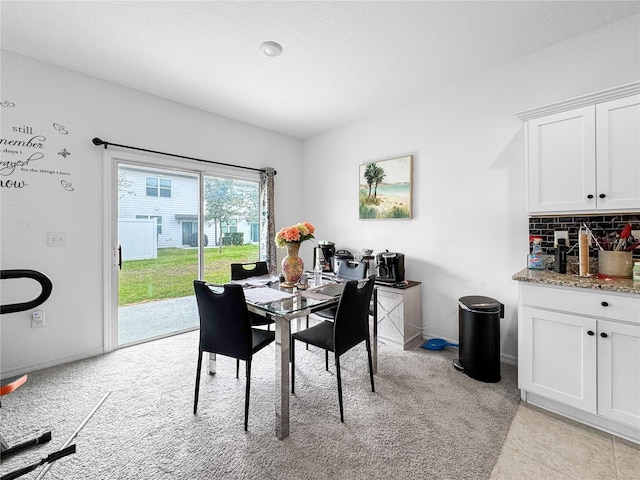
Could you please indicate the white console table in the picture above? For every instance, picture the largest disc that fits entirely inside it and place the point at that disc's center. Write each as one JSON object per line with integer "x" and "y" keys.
{"x": 399, "y": 314}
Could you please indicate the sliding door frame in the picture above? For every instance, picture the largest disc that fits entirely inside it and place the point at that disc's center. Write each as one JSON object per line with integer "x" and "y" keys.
{"x": 112, "y": 158}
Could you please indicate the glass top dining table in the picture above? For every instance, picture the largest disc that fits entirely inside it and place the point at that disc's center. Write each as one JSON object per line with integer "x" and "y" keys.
{"x": 284, "y": 304}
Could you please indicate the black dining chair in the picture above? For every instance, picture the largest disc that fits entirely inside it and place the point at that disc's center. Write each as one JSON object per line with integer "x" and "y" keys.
{"x": 242, "y": 271}
{"x": 346, "y": 271}
{"x": 350, "y": 328}
{"x": 225, "y": 329}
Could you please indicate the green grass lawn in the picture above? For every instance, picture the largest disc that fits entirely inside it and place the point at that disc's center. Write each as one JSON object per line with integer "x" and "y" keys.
{"x": 171, "y": 275}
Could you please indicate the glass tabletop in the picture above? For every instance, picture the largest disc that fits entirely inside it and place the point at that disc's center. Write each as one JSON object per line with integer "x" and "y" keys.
{"x": 297, "y": 301}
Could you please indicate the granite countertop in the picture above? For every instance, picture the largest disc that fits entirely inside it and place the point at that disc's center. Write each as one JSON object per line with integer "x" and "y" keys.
{"x": 594, "y": 281}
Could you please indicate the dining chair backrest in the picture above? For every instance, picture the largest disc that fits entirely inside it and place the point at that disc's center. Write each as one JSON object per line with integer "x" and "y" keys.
{"x": 352, "y": 318}
{"x": 240, "y": 271}
{"x": 225, "y": 325}
{"x": 352, "y": 270}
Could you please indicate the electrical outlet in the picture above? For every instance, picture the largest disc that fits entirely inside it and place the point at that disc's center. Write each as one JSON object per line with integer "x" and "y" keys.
{"x": 37, "y": 319}
{"x": 560, "y": 234}
{"x": 57, "y": 239}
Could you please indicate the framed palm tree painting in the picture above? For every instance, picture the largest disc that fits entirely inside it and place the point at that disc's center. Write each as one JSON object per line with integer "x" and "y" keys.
{"x": 385, "y": 188}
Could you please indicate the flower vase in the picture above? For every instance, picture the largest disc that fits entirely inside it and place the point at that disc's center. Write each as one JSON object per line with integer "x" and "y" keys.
{"x": 292, "y": 265}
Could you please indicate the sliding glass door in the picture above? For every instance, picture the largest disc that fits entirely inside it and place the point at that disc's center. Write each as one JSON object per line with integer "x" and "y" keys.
{"x": 167, "y": 227}
{"x": 158, "y": 248}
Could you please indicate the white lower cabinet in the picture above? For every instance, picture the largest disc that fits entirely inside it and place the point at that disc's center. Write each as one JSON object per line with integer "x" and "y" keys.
{"x": 579, "y": 355}
{"x": 399, "y": 314}
{"x": 558, "y": 357}
{"x": 619, "y": 372}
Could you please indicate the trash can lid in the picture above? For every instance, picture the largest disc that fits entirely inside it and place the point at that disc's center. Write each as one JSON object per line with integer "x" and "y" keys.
{"x": 477, "y": 303}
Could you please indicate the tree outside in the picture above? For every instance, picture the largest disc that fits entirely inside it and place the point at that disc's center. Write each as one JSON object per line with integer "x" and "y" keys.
{"x": 228, "y": 200}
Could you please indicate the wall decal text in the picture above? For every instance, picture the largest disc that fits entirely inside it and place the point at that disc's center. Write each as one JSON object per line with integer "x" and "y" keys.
{"x": 25, "y": 152}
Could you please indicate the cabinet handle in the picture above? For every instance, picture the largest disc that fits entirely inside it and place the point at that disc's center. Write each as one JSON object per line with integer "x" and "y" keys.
{"x": 604, "y": 335}
{"x": 590, "y": 333}
{"x": 604, "y": 304}
{"x": 589, "y": 196}
{"x": 602, "y": 195}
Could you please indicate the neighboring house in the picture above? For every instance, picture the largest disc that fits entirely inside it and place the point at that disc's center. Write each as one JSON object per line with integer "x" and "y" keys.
{"x": 171, "y": 199}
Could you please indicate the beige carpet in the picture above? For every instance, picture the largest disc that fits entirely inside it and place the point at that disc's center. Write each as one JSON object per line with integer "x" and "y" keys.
{"x": 426, "y": 420}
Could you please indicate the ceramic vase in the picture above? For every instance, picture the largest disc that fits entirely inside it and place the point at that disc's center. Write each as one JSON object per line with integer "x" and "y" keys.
{"x": 292, "y": 265}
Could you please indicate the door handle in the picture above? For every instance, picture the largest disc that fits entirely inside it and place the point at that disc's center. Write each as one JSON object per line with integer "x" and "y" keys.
{"x": 604, "y": 335}
{"x": 590, "y": 333}
{"x": 120, "y": 257}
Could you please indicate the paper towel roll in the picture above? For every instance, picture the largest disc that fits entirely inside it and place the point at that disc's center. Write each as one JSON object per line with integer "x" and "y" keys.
{"x": 583, "y": 254}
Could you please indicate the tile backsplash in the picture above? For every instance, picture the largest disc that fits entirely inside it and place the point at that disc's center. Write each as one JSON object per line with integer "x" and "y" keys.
{"x": 599, "y": 224}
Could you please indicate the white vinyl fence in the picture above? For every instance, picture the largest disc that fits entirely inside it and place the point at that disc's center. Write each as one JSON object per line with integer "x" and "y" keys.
{"x": 138, "y": 238}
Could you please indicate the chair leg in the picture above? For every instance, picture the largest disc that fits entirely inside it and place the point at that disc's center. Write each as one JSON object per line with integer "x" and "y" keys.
{"x": 307, "y": 328}
{"x": 246, "y": 398}
{"x": 195, "y": 401}
{"x": 368, "y": 342}
{"x": 237, "y": 368}
{"x": 292, "y": 351}
{"x": 326, "y": 360}
{"x": 339, "y": 387}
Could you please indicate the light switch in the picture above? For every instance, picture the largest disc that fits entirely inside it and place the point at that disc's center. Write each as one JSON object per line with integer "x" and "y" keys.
{"x": 57, "y": 239}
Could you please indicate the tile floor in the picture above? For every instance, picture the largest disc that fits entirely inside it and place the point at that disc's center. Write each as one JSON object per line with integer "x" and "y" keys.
{"x": 542, "y": 445}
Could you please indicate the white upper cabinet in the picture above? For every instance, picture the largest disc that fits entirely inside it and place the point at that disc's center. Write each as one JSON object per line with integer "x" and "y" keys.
{"x": 562, "y": 161}
{"x": 618, "y": 154}
{"x": 583, "y": 155}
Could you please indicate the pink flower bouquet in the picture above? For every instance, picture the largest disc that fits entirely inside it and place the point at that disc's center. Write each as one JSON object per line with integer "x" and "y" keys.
{"x": 294, "y": 234}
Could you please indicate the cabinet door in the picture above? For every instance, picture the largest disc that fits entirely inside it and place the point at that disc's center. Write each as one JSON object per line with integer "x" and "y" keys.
{"x": 561, "y": 161}
{"x": 391, "y": 316}
{"x": 618, "y": 153}
{"x": 558, "y": 357}
{"x": 619, "y": 372}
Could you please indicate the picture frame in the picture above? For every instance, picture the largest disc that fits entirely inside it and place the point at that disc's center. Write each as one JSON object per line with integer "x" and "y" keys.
{"x": 385, "y": 189}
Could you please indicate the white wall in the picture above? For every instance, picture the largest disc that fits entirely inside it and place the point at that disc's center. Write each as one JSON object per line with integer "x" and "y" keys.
{"x": 87, "y": 107}
{"x": 468, "y": 234}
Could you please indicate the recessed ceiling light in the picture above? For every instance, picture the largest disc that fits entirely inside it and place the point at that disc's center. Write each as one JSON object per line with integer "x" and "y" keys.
{"x": 271, "y": 49}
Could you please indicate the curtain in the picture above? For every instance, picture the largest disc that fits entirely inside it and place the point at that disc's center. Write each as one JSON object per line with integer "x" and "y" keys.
{"x": 267, "y": 220}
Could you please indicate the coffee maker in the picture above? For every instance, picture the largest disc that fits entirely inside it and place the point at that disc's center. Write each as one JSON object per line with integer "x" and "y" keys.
{"x": 389, "y": 267}
{"x": 326, "y": 251}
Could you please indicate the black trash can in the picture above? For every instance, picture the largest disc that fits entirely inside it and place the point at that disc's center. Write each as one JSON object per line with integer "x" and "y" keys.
{"x": 479, "y": 337}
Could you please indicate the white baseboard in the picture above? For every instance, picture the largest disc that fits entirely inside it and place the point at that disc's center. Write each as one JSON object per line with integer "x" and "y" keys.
{"x": 504, "y": 358}
{"x": 509, "y": 359}
{"x": 595, "y": 421}
{"x": 52, "y": 363}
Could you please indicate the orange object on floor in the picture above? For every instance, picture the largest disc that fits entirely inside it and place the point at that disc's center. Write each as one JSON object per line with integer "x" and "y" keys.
{"x": 11, "y": 384}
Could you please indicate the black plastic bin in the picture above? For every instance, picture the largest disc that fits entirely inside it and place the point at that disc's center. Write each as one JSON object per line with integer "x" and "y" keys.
{"x": 479, "y": 337}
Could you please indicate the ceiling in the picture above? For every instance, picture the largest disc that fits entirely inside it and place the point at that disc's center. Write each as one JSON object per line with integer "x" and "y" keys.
{"x": 342, "y": 60}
